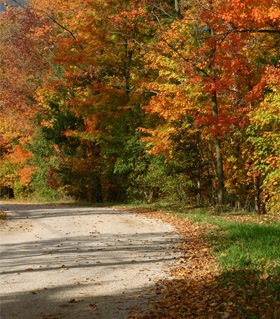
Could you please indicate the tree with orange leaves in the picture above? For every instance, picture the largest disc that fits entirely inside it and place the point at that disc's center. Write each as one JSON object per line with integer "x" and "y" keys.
{"x": 208, "y": 66}
{"x": 201, "y": 70}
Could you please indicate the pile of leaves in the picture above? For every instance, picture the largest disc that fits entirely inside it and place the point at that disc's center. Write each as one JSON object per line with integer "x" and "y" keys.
{"x": 201, "y": 289}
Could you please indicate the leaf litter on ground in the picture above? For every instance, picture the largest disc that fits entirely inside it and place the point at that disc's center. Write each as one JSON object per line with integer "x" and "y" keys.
{"x": 201, "y": 288}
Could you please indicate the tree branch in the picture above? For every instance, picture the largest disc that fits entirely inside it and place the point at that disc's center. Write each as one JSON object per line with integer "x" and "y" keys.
{"x": 60, "y": 25}
{"x": 50, "y": 17}
{"x": 130, "y": 90}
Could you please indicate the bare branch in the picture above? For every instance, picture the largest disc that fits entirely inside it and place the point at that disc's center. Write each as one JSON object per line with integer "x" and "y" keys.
{"x": 50, "y": 17}
{"x": 60, "y": 25}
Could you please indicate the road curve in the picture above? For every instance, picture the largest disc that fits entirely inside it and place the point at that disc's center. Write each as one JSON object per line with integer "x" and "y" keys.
{"x": 80, "y": 262}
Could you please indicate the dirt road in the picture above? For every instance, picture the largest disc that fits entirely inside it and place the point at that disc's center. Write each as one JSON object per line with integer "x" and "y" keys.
{"x": 80, "y": 262}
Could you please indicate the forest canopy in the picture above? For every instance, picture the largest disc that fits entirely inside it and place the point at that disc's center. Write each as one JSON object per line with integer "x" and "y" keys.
{"x": 115, "y": 100}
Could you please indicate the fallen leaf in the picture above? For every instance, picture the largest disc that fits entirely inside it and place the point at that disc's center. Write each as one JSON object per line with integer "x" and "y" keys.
{"x": 72, "y": 301}
{"x": 264, "y": 276}
{"x": 93, "y": 306}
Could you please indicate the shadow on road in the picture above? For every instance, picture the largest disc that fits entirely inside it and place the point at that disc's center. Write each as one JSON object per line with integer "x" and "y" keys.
{"x": 25, "y": 304}
{"x": 80, "y": 252}
{"x": 79, "y": 260}
{"x": 35, "y": 211}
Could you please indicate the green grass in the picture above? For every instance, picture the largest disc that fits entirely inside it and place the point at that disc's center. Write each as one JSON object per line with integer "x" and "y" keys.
{"x": 248, "y": 245}
{"x": 242, "y": 245}
{"x": 239, "y": 244}
{"x": 249, "y": 242}
{"x": 247, "y": 248}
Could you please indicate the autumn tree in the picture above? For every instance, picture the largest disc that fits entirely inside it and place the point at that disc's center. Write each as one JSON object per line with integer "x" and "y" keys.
{"x": 207, "y": 65}
{"x": 101, "y": 66}
{"x": 145, "y": 98}
{"x": 23, "y": 61}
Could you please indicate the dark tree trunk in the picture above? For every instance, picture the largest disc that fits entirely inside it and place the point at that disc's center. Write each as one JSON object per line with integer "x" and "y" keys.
{"x": 220, "y": 170}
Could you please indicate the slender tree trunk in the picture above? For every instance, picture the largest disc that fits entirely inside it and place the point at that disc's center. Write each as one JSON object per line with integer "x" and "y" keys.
{"x": 177, "y": 8}
{"x": 257, "y": 204}
{"x": 220, "y": 170}
{"x": 198, "y": 196}
{"x": 126, "y": 67}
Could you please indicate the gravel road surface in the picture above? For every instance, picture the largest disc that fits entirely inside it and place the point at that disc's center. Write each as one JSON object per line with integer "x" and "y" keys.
{"x": 80, "y": 262}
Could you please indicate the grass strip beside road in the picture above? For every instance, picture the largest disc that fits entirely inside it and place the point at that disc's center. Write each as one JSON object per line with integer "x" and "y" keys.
{"x": 231, "y": 267}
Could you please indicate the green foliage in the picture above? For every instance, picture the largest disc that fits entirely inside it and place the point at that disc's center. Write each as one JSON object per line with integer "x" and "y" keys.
{"x": 264, "y": 135}
{"x": 139, "y": 101}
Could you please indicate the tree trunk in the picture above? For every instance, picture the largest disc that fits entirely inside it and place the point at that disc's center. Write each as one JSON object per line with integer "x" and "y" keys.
{"x": 220, "y": 170}
{"x": 257, "y": 204}
{"x": 177, "y": 8}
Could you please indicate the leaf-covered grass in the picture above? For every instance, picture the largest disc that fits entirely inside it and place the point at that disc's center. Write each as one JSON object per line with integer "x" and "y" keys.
{"x": 240, "y": 239}
{"x": 231, "y": 268}
{"x": 249, "y": 242}
{"x": 246, "y": 247}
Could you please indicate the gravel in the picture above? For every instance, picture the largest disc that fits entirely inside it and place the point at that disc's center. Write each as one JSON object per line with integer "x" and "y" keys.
{"x": 80, "y": 262}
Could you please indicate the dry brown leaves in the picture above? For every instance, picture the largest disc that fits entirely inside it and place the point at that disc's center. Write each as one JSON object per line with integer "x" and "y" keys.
{"x": 189, "y": 295}
{"x": 195, "y": 291}
{"x": 3, "y": 217}
{"x": 257, "y": 219}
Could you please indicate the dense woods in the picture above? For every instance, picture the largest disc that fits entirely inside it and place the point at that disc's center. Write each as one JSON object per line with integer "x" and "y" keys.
{"x": 115, "y": 100}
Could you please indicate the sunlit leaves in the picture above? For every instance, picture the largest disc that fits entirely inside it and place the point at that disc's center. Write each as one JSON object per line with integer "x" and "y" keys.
{"x": 92, "y": 72}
